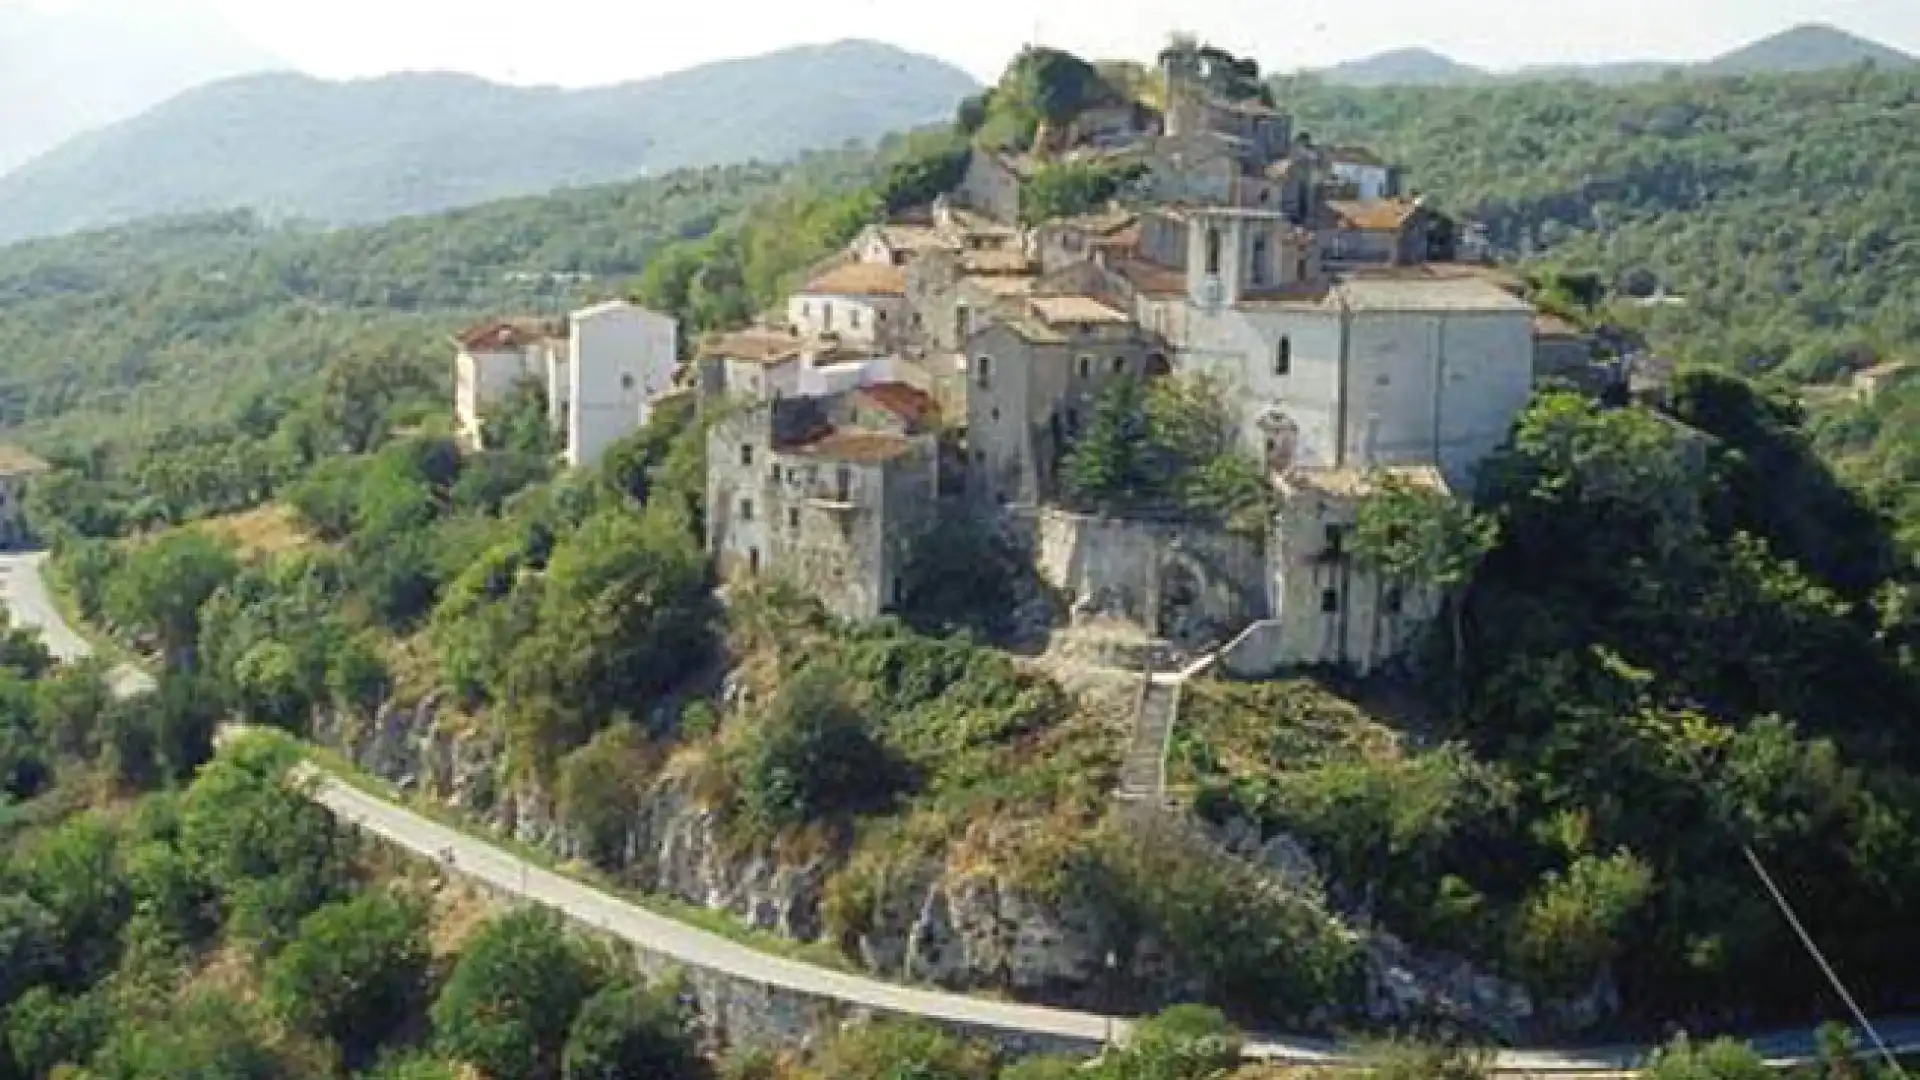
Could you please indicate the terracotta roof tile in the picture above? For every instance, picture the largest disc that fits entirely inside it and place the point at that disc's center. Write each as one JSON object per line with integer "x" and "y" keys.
{"x": 759, "y": 345}
{"x": 859, "y": 279}
{"x": 853, "y": 445}
{"x": 505, "y": 334}
{"x": 1373, "y": 215}
{"x": 910, "y": 403}
{"x": 995, "y": 262}
{"x": 1152, "y": 279}
{"x": 1061, "y": 310}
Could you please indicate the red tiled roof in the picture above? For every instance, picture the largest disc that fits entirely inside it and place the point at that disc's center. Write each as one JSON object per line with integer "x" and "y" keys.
{"x": 1152, "y": 279}
{"x": 1373, "y": 215}
{"x": 909, "y": 403}
{"x": 859, "y": 279}
{"x": 503, "y": 334}
{"x": 760, "y": 345}
{"x": 853, "y": 445}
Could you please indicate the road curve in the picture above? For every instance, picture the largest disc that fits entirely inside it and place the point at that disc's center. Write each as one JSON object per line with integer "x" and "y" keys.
{"x": 23, "y": 592}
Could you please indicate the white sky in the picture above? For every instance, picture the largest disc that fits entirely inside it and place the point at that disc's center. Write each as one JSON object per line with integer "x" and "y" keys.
{"x": 582, "y": 42}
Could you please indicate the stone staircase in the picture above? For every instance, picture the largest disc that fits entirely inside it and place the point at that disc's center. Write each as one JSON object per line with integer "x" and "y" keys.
{"x": 1143, "y": 772}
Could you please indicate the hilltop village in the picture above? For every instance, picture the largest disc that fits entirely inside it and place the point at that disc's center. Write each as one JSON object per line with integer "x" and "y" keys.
{"x": 944, "y": 365}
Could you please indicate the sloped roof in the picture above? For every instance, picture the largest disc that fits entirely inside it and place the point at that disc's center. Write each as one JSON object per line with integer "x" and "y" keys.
{"x": 859, "y": 279}
{"x": 759, "y": 345}
{"x": 1548, "y": 325}
{"x": 910, "y": 403}
{"x": 1373, "y": 215}
{"x": 1152, "y": 279}
{"x": 855, "y": 445}
{"x": 1355, "y": 155}
{"x": 1429, "y": 295}
{"x": 504, "y": 334}
{"x": 1061, "y": 310}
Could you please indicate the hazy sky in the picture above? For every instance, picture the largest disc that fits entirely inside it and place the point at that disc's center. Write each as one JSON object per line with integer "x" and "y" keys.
{"x": 576, "y": 42}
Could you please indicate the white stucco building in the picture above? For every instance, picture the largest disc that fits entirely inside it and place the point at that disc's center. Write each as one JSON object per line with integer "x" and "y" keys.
{"x": 620, "y": 358}
{"x": 1371, "y": 178}
{"x": 600, "y": 369}
{"x": 494, "y": 358}
{"x": 862, "y": 304}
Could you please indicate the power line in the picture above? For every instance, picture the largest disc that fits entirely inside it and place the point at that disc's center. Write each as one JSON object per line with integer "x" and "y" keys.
{"x": 1806, "y": 939}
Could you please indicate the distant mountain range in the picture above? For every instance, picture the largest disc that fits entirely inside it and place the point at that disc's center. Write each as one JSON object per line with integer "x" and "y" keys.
{"x": 69, "y": 69}
{"x": 1813, "y": 47}
{"x": 347, "y": 152}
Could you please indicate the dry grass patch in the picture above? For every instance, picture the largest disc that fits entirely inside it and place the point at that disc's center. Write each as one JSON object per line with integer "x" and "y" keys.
{"x": 259, "y": 533}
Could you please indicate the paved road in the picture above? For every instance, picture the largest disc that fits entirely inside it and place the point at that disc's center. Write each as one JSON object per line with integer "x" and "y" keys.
{"x": 22, "y": 591}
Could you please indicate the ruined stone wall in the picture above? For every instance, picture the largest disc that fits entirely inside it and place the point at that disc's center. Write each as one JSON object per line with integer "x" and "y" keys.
{"x": 1194, "y": 585}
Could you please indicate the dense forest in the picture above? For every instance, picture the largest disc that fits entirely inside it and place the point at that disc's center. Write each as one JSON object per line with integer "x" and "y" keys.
{"x": 1679, "y": 634}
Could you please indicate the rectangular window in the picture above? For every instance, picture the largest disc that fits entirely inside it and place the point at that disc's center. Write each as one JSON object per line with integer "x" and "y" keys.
{"x": 1119, "y": 365}
{"x": 1393, "y": 601}
{"x": 1330, "y": 602}
{"x": 746, "y": 509}
{"x": 843, "y": 484}
{"x": 753, "y": 561}
{"x": 1336, "y": 540}
{"x": 793, "y": 518}
{"x": 1086, "y": 366}
{"x": 983, "y": 372}
{"x": 746, "y": 457}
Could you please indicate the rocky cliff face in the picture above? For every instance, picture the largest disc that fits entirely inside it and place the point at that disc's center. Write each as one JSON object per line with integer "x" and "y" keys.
{"x": 933, "y": 922}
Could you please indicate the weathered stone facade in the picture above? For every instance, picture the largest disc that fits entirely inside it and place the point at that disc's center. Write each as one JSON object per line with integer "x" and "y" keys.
{"x": 829, "y": 492}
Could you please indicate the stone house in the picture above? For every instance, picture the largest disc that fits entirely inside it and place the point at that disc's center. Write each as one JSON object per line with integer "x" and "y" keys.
{"x": 1033, "y": 376}
{"x": 600, "y": 368}
{"x": 493, "y": 359}
{"x": 1376, "y": 232}
{"x": 18, "y": 468}
{"x": 620, "y": 359}
{"x": 1327, "y": 608}
{"x": 1362, "y": 171}
{"x": 1871, "y": 381}
{"x": 862, "y": 304}
{"x": 990, "y": 186}
{"x": 1561, "y": 350}
{"x": 830, "y": 493}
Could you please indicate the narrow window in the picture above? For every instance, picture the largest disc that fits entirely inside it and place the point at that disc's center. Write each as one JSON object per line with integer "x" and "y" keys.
{"x": 1073, "y": 422}
{"x": 994, "y": 415}
{"x": 853, "y": 318}
{"x": 843, "y": 484}
{"x": 753, "y": 561}
{"x": 1336, "y": 540}
{"x": 793, "y": 518}
{"x": 1119, "y": 365}
{"x": 626, "y": 381}
{"x": 984, "y": 367}
{"x": 1259, "y": 272}
{"x": 1086, "y": 366}
{"x": 1213, "y": 251}
{"x": 746, "y": 509}
{"x": 1283, "y": 356}
{"x": 1393, "y": 601}
{"x": 1330, "y": 602}
{"x": 826, "y": 316}
{"x": 899, "y": 590}
{"x": 746, "y": 456}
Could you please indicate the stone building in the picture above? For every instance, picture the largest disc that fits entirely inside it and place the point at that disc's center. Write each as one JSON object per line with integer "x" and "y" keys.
{"x": 1375, "y": 232}
{"x": 1361, "y": 170}
{"x": 1327, "y": 608}
{"x": 18, "y": 468}
{"x": 862, "y": 304}
{"x": 990, "y": 186}
{"x": 495, "y": 358}
{"x": 620, "y": 358}
{"x": 600, "y": 369}
{"x": 828, "y": 492}
{"x": 1033, "y": 376}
